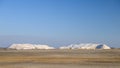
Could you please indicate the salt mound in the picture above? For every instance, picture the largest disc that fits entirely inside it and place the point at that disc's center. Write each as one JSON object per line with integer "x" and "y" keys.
{"x": 86, "y": 46}
{"x": 43, "y": 47}
{"x": 29, "y": 46}
{"x": 72, "y": 46}
{"x": 22, "y": 46}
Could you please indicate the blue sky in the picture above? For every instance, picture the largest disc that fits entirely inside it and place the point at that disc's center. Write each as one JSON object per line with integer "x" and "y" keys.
{"x": 60, "y": 22}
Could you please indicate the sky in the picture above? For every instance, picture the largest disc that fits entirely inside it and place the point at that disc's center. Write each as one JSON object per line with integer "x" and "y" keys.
{"x": 60, "y": 22}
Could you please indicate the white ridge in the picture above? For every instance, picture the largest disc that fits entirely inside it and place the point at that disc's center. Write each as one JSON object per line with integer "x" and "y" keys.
{"x": 86, "y": 46}
{"x": 29, "y": 46}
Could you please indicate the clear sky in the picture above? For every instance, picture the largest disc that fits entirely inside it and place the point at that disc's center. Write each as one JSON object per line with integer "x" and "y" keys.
{"x": 60, "y": 22}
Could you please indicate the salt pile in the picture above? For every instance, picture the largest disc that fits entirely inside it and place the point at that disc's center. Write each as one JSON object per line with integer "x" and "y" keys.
{"x": 86, "y": 46}
{"x": 29, "y": 46}
{"x": 72, "y": 46}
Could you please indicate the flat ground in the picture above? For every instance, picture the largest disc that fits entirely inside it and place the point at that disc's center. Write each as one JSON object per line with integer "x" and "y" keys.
{"x": 60, "y": 58}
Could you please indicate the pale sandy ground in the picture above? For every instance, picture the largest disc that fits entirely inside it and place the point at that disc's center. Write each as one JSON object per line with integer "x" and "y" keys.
{"x": 60, "y": 58}
{"x": 40, "y": 65}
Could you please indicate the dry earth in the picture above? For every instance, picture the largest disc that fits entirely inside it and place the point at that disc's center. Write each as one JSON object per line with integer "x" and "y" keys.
{"x": 60, "y": 58}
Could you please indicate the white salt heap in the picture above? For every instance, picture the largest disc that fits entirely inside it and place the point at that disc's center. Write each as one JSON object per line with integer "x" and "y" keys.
{"x": 86, "y": 46}
{"x": 29, "y": 46}
{"x": 72, "y": 46}
{"x": 43, "y": 47}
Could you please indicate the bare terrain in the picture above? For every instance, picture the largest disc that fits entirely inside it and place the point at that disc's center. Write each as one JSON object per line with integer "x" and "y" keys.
{"x": 60, "y": 58}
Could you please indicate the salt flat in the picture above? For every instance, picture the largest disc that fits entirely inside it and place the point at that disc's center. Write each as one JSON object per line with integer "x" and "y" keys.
{"x": 60, "y": 58}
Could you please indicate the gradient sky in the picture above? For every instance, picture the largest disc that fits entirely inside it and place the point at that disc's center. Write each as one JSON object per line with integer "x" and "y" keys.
{"x": 60, "y": 22}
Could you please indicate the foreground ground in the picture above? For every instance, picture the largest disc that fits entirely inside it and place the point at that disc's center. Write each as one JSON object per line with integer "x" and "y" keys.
{"x": 60, "y": 58}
